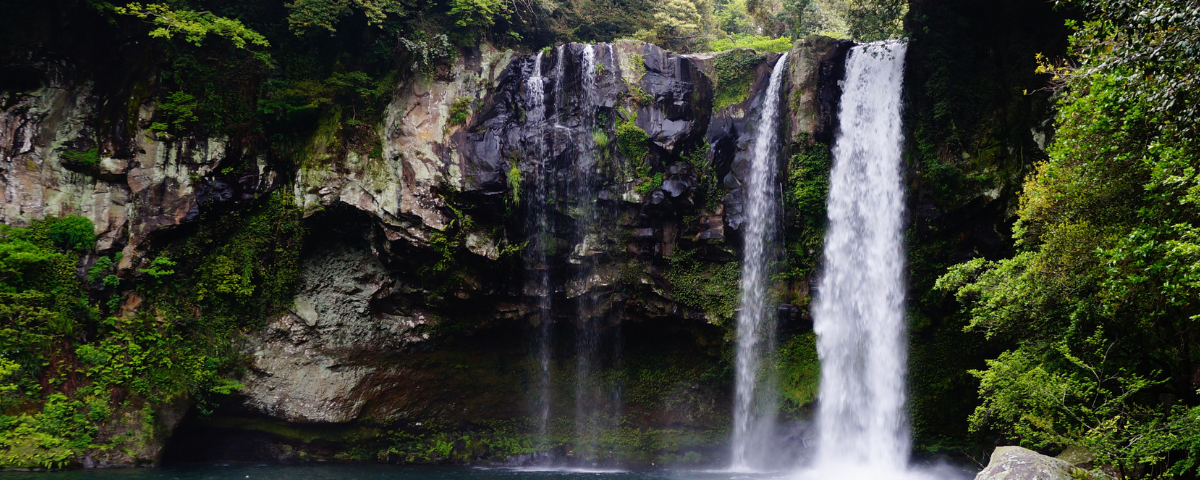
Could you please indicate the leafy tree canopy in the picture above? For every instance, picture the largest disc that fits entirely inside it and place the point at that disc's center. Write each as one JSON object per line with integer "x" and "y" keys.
{"x": 1101, "y": 299}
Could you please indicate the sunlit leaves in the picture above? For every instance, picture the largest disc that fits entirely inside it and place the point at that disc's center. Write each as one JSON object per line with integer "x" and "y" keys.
{"x": 193, "y": 26}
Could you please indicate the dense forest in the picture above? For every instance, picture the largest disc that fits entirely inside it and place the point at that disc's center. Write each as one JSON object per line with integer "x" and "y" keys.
{"x": 1051, "y": 288}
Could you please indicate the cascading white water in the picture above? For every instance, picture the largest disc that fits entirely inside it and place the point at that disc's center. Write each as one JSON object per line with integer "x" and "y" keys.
{"x": 589, "y": 399}
{"x": 858, "y": 311}
{"x": 754, "y": 402}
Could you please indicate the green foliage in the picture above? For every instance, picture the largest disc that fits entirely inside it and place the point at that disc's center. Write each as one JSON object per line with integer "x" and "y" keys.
{"x": 430, "y": 51}
{"x": 208, "y": 93}
{"x": 799, "y": 372}
{"x": 733, "y": 17}
{"x": 309, "y": 14}
{"x": 804, "y": 203}
{"x": 87, "y": 160}
{"x": 179, "y": 110}
{"x": 754, "y": 42}
{"x": 460, "y": 109}
{"x": 355, "y": 92}
{"x": 708, "y": 186}
{"x": 153, "y": 356}
{"x": 497, "y": 441}
{"x": 478, "y": 13}
{"x": 968, "y": 130}
{"x": 681, "y": 25}
{"x": 41, "y": 306}
{"x": 873, "y": 20}
{"x": 514, "y": 185}
{"x": 632, "y": 142}
{"x": 51, "y": 438}
{"x": 194, "y": 26}
{"x": 1151, "y": 42}
{"x": 794, "y": 18}
{"x": 650, "y": 185}
{"x": 1101, "y": 296}
{"x": 600, "y": 139}
{"x": 707, "y": 286}
{"x": 735, "y": 75}
{"x": 243, "y": 264}
{"x": 71, "y": 232}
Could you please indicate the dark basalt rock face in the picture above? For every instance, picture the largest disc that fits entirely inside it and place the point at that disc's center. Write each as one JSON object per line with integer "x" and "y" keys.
{"x": 622, "y": 276}
{"x": 412, "y": 307}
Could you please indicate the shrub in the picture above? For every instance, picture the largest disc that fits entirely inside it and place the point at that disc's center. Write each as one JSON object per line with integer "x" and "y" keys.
{"x": 631, "y": 142}
{"x": 72, "y": 232}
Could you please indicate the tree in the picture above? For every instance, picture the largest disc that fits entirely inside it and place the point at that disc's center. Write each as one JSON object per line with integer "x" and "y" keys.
{"x": 324, "y": 14}
{"x": 872, "y": 20}
{"x": 194, "y": 26}
{"x": 682, "y": 25}
{"x": 1101, "y": 300}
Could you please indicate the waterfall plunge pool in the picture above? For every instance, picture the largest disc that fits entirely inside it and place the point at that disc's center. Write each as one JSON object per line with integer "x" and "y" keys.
{"x": 396, "y": 472}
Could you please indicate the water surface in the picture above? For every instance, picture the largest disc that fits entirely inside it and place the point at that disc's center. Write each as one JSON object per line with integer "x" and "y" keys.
{"x": 375, "y": 472}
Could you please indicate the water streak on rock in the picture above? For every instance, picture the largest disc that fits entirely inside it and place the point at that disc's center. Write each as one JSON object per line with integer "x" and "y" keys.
{"x": 538, "y": 285}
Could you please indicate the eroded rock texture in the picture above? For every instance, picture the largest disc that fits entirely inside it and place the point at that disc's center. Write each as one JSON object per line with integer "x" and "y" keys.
{"x": 415, "y": 302}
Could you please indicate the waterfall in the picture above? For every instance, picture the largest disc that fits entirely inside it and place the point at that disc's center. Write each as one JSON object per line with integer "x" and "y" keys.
{"x": 560, "y": 116}
{"x": 589, "y": 399}
{"x": 538, "y": 285}
{"x": 859, "y": 307}
{"x": 754, "y": 402}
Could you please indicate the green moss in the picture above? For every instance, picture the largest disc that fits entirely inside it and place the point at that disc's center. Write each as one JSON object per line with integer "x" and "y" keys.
{"x": 804, "y": 203}
{"x": 735, "y": 75}
{"x": 708, "y": 186}
{"x": 799, "y": 372}
{"x": 632, "y": 142}
{"x": 600, "y": 139}
{"x": 514, "y": 184}
{"x": 710, "y": 287}
{"x": 654, "y": 183}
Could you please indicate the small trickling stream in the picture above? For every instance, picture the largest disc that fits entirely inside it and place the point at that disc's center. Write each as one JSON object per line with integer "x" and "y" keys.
{"x": 537, "y": 285}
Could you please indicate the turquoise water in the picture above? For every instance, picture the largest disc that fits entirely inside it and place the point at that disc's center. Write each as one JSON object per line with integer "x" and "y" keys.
{"x": 371, "y": 472}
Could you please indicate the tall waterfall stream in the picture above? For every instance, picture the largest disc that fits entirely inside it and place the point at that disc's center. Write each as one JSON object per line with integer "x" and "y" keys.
{"x": 754, "y": 406}
{"x": 858, "y": 311}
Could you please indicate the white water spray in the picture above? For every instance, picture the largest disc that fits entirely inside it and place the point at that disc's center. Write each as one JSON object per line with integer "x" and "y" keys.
{"x": 858, "y": 312}
{"x": 754, "y": 405}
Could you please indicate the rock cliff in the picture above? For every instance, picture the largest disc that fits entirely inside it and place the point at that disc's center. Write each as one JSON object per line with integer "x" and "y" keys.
{"x": 415, "y": 313}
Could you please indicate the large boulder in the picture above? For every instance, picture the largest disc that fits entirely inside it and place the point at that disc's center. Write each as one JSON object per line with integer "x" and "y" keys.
{"x": 1016, "y": 463}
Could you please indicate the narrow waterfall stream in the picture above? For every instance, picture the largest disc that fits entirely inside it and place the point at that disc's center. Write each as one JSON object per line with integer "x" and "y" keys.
{"x": 562, "y": 166}
{"x": 590, "y": 411}
{"x": 858, "y": 311}
{"x": 754, "y": 397}
{"x": 537, "y": 285}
